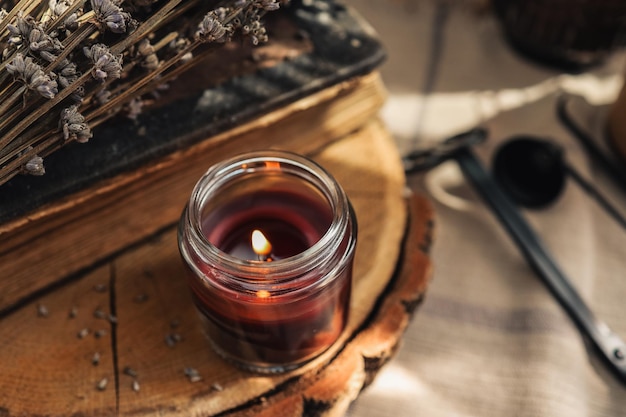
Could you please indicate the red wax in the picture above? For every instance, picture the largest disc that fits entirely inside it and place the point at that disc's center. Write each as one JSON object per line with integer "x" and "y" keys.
{"x": 281, "y": 332}
{"x": 283, "y": 327}
{"x": 292, "y": 223}
{"x": 286, "y": 240}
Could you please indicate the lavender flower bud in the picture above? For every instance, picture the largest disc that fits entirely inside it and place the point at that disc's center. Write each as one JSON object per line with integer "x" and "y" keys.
{"x": 103, "y": 96}
{"x": 106, "y": 65}
{"x": 41, "y": 42}
{"x": 17, "y": 66}
{"x": 146, "y": 51}
{"x": 19, "y": 32}
{"x": 47, "y": 56}
{"x": 57, "y": 7}
{"x": 34, "y": 166}
{"x": 211, "y": 29}
{"x": 68, "y": 69}
{"x": 73, "y": 125}
{"x": 44, "y": 85}
{"x": 108, "y": 14}
{"x": 13, "y": 30}
{"x": 134, "y": 108}
{"x": 31, "y": 74}
{"x": 116, "y": 23}
{"x": 66, "y": 73}
{"x": 269, "y": 5}
{"x": 71, "y": 23}
{"x": 34, "y": 37}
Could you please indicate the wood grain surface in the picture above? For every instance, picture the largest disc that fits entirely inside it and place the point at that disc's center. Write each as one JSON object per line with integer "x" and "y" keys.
{"x": 134, "y": 314}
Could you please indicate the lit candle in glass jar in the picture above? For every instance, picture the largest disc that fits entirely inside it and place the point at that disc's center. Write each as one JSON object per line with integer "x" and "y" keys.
{"x": 269, "y": 240}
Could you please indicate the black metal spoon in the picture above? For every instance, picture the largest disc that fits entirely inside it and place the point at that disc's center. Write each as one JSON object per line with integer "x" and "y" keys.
{"x": 533, "y": 171}
{"x": 611, "y": 348}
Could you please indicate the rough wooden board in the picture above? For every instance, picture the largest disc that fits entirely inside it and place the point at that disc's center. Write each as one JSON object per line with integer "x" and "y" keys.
{"x": 46, "y": 369}
{"x": 62, "y": 238}
{"x": 324, "y": 387}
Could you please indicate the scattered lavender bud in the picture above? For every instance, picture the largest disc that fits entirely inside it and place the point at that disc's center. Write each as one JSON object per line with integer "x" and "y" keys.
{"x": 99, "y": 313}
{"x": 130, "y": 371}
{"x": 83, "y": 333}
{"x": 193, "y": 375}
{"x": 140, "y": 298}
{"x": 102, "y": 384}
{"x": 112, "y": 319}
{"x": 42, "y": 310}
{"x": 172, "y": 339}
{"x": 217, "y": 387}
{"x": 95, "y": 360}
{"x": 135, "y": 386}
{"x": 100, "y": 333}
{"x": 100, "y": 288}
{"x": 73, "y": 313}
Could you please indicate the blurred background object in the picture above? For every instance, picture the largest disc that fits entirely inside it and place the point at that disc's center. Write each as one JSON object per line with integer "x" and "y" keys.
{"x": 617, "y": 124}
{"x": 571, "y": 34}
{"x": 489, "y": 340}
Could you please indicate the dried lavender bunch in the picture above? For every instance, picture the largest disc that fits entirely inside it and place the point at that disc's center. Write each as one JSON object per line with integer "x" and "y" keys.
{"x": 68, "y": 65}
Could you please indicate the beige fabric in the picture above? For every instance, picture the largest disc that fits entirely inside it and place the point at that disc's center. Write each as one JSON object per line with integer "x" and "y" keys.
{"x": 489, "y": 339}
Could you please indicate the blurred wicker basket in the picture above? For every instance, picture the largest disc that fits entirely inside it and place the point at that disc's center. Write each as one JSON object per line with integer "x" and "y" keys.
{"x": 571, "y": 34}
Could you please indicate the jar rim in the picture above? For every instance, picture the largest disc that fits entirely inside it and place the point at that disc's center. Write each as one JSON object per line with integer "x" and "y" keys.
{"x": 250, "y": 271}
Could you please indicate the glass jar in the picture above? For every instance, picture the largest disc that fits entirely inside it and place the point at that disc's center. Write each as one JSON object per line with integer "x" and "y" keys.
{"x": 269, "y": 310}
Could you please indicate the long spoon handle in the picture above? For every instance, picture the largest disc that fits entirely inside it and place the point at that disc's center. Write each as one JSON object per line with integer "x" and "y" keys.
{"x": 596, "y": 195}
{"x": 609, "y": 345}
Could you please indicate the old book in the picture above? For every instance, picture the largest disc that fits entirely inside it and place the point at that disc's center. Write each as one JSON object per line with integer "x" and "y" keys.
{"x": 136, "y": 176}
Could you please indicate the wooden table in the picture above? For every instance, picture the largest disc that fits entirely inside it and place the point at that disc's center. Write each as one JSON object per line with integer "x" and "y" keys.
{"x": 116, "y": 340}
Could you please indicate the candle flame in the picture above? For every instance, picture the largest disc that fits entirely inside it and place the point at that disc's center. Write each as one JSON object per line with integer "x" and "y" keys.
{"x": 260, "y": 244}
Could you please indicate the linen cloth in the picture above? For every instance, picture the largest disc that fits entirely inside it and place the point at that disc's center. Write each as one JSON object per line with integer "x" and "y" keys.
{"x": 489, "y": 339}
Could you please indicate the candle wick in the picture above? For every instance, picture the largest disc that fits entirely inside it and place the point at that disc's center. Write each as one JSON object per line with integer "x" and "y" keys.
{"x": 264, "y": 258}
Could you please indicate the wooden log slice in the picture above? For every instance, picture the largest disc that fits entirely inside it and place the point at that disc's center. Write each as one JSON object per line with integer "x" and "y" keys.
{"x": 117, "y": 340}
